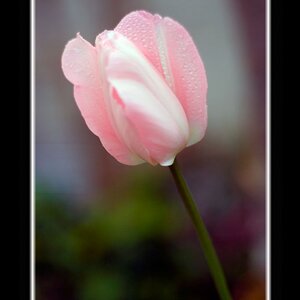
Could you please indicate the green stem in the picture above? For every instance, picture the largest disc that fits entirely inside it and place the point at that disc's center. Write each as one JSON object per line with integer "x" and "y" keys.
{"x": 205, "y": 240}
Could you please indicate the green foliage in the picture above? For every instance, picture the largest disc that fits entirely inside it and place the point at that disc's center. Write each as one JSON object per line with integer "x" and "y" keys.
{"x": 101, "y": 246}
{"x": 102, "y": 285}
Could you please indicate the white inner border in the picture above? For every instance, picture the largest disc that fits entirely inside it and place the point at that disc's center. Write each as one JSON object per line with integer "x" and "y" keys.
{"x": 32, "y": 144}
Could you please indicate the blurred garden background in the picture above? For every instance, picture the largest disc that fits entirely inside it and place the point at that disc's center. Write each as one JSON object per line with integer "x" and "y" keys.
{"x": 113, "y": 232}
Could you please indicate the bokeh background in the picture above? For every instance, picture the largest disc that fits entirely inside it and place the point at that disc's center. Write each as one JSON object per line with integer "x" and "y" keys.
{"x": 113, "y": 232}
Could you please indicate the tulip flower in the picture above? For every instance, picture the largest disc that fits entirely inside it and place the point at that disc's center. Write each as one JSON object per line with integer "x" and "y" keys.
{"x": 141, "y": 89}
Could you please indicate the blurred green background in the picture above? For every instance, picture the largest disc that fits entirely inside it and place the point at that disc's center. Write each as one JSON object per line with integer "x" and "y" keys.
{"x": 112, "y": 232}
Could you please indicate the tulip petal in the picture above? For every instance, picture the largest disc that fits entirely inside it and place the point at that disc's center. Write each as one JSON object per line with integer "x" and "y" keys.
{"x": 79, "y": 63}
{"x": 172, "y": 51}
{"x": 138, "y": 27}
{"x": 144, "y": 122}
{"x": 91, "y": 105}
{"x": 189, "y": 77}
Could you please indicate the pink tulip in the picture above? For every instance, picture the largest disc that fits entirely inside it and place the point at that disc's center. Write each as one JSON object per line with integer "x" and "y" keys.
{"x": 141, "y": 89}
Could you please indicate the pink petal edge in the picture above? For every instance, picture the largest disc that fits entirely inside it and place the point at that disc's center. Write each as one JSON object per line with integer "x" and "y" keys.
{"x": 79, "y": 64}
